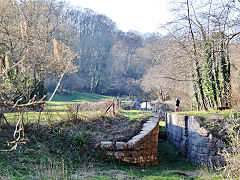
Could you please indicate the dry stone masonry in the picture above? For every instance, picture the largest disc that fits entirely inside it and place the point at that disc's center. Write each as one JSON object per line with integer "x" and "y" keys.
{"x": 140, "y": 150}
{"x": 188, "y": 134}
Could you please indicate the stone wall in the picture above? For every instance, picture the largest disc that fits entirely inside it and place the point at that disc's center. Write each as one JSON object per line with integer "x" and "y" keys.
{"x": 188, "y": 134}
{"x": 140, "y": 150}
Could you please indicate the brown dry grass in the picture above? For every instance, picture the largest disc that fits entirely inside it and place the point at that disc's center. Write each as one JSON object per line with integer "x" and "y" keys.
{"x": 232, "y": 156}
{"x": 88, "y": 174}
{"x": 98, "y": 127}
{"x": 101, "y": 105}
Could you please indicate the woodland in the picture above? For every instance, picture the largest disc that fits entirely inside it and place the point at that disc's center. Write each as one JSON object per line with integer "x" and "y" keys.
{"x": 58, "y": 63}
{"x": 197, "y": 60}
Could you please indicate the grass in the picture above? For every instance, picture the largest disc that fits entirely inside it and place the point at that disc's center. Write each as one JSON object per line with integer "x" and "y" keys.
{"x": 58, "y": 106}
{"x": 60, "y": 101}
{"x": 53, "y": 152}
{"x": 30, "y": 117}
{"x": 162, "y": 124}
{"x": 200, "y": 113}
{"x": 78, "y": 97}
{"x": 54, "y": 156}
{"x": 57, "y": 109}
{"x": 224, "y": 114}
{"x": 135, "y": 114}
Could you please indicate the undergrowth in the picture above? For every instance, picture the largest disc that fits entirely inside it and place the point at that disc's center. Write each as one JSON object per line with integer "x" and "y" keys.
{"x": 52, "y": 153}
{"x": 65, "y": 148}
{"x": 224, "y": 125}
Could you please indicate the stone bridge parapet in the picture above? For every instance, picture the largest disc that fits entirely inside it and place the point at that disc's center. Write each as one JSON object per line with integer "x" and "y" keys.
{"x": 141, "y": 150}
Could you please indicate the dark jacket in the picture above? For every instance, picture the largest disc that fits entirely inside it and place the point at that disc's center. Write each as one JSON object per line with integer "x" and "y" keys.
{"x": 177, "y": 102}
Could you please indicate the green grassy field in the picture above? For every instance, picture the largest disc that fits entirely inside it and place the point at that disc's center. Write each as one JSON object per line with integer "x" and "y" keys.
{"x": 135, "y": 114}
{"x": 78, "y": 97}
{"x": 51, "y": 152}
{"x": 57, "y": 109}
{"x": 60, "y": 101}
{"x": 224, "y": 113}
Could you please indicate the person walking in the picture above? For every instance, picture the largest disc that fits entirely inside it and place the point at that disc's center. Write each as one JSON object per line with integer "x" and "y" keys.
{"x": 177, "y": 104}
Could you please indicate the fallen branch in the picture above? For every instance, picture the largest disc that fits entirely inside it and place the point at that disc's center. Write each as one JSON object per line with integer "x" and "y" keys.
{"x": 24, "y": 105}
{"x": 19, "y": 132}
{"x": 174, "y": 79}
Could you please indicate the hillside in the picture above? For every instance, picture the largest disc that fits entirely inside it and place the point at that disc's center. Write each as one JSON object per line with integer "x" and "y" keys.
{"x": 64, "y": 148}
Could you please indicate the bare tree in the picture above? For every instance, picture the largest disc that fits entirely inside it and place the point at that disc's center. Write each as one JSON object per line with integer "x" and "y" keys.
{"x": 170, "y": 77}
{"x": 93, "y": 35}
{"x": 208, "y": 28}
{"x": 29, "y": 33}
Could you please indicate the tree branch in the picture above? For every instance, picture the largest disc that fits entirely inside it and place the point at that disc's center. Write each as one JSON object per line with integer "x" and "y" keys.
{"x": 166, "y": 77}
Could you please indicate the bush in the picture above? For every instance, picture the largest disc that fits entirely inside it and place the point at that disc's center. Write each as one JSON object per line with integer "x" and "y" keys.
{"x": 79, "y": 140}
{"x": 230, "y": 114}
{"x": 232, "y": 154}
{"x": 16, "y": 85}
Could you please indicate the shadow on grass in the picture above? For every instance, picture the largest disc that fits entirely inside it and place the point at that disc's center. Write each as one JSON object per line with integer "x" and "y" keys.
{"x": 50, "y": 152}
{"x": 170, "y": 159}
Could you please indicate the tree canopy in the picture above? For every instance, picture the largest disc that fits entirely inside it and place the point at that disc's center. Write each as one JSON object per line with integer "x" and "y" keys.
{"x": 196, "y": 60}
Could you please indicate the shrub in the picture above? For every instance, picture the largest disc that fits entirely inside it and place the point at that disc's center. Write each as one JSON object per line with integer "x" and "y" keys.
{"x": 232, "y": 154}
{"x": 79, "y": 140}
{"x": 15, "y": 85}
{"x": 101, "y": 115}
{"x": 71, "y": 112}
{"x": 230, "y": 114}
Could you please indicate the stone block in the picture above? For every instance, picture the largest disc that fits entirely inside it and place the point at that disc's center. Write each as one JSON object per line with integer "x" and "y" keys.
{"x": 141, "y": 149}
{"x": 192, "y": 149}
{"x": 203, "y": 131}
{"x": 142, "y": 153}
{"x": 210, "y": 136}
{"x": 121, "y": 145}
{"x": 132, "y": 146}
{"x": 146, "y": 128}
{"x": 107, "y": 145}
{"x": 148, "y": 147}
{"x": 133, "y": 153}
{"x": 220, "y": 144}
{"x": 155, "y": 139}
{"x": 119, "y": 155}
{"x": 137, "y": 148}
{"x": 213, "y": 140}
{"x": 148, "y": 153}
{"x": 203, "y": 140}
{"x": 155, "y": 150}
{"x": 109, "y": 153}
{"x": 128, "y": 159}
{"x": 194, "y": 135}
{"x": 202, "y": 156}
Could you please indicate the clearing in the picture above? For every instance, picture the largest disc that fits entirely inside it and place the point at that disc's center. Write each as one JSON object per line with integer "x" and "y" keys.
{"x": 62, "y": 146}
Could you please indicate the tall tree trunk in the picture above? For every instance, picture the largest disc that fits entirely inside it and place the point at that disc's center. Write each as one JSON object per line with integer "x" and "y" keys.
{"x": 225, "y": 74}
{"x": 197, "y": 68}
{"x": 229, "y": 87}
{"x": 209, "y": 75}
{"x": 217, "y": 77}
